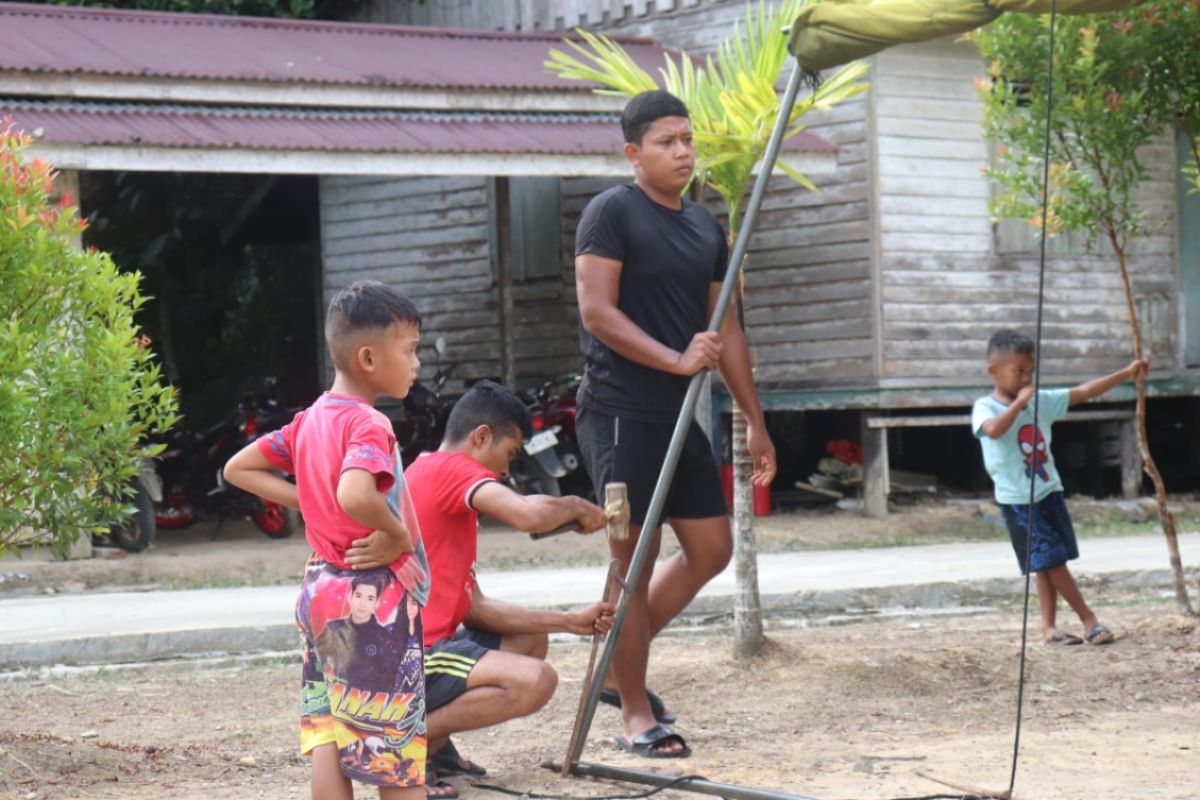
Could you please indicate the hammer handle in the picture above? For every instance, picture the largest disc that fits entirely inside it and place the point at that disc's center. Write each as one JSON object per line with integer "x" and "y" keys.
{"x": 570, "y": 527}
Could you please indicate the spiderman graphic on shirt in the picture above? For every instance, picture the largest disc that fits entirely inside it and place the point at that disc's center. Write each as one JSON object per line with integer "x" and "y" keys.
{"x": 1033, "y": 447}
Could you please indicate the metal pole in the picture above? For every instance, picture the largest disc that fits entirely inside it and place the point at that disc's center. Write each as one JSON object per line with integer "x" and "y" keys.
{"x": 688, "y": 784}
{"x": 689, "y": 404}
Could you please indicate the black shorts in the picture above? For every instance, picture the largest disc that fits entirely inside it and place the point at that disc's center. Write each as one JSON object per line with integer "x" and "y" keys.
{"x": 631, "y": 451}
{"x": 1053, "y": 534}
{"x": 449, "y": 662}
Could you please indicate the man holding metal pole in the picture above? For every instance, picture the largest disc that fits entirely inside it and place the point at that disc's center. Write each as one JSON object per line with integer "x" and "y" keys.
{"x": 648, "y": 267}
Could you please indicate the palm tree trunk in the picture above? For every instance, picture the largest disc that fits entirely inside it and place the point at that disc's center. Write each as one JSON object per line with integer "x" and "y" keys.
{"x": 747, "y": 610}
{"x": 1166, "y": 518}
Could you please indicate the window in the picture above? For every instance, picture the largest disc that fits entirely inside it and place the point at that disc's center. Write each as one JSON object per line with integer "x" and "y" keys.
{"x": 536, "y": 226}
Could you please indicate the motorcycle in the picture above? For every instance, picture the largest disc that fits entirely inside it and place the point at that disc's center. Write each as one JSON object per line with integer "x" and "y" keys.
{"x": 419, "y": 420}
{"x": 550, "y": 462}
{"x": 135, "y": 533}
{"x": 192, "y": 467}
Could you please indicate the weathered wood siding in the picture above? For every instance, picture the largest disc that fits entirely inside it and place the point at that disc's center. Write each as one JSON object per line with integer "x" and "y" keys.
{"x": 944, "y": 287}
{"x": 809, "y": 291}
{"x": 808, "y": 275}
{"x": 429, "y": 237}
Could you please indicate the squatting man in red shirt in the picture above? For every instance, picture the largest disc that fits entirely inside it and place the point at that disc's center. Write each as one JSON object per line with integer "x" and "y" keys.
{"x": 484, "y": 658}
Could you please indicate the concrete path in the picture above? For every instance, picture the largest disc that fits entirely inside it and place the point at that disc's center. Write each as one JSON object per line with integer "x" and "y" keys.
{"x": 101, "y": 627}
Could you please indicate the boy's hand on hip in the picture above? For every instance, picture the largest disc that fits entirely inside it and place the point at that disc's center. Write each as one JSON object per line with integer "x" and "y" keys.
{"x": 762, "y": 454}
{"x": 702, "y": 353}
{"x": 377, "y": 549}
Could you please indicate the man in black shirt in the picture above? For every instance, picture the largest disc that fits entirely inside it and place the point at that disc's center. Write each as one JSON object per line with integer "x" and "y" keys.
{"x": 648, "y": 271}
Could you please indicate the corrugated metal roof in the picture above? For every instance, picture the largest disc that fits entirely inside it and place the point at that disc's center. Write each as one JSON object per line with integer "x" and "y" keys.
{"x": 156, "y": 125}
{"x": 68, "y": 40}
{"x": 357, "y": 131}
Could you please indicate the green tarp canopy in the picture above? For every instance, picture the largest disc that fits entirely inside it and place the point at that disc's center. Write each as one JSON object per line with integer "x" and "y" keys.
{"x": 835, "y": 32}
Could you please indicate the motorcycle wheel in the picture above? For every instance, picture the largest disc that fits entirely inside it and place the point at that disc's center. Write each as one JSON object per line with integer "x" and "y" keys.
{"x": 542, "y": 481}
{"x": 275, "y": 520}
{"x": 136, "y": 534}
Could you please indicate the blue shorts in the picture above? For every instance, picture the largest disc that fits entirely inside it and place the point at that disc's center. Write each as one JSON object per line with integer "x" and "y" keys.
{"x": 1053, "y": 535}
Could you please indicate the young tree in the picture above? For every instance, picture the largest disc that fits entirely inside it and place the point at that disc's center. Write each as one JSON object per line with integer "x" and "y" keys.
{"x": 1173, "y": 50}
{"x": 733, "y": 106}
{"x": 1102, "y": 114}
{"x": 78, "y": 388}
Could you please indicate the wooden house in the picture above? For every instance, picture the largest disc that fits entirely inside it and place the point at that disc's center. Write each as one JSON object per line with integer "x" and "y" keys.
{"x": 879, "y": 293}
{"x": 450, "y": 164}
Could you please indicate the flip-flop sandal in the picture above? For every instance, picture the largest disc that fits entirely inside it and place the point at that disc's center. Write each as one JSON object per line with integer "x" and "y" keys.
{"x": 445, "y": 791}
{"x": 657, "y": 707}
{"x": 447, "y": 761}
{"x": 1062, "y": 638}
{"x": 1099, "y": 634}
{"x": 644, "y": 744}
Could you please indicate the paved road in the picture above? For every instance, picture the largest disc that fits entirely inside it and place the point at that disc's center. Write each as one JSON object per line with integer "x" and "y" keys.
{"x": 119, "y": 626}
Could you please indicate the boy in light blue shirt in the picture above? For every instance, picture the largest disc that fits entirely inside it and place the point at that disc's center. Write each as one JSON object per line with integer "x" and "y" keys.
{"x": 1016, "y": 452}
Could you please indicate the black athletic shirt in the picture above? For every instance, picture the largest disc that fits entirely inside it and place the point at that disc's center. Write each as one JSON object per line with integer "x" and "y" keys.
{"x": 669, "y": 261}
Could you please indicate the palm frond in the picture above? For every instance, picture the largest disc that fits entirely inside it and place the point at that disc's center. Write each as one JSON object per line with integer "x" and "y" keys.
{"x": 731, "y": 97}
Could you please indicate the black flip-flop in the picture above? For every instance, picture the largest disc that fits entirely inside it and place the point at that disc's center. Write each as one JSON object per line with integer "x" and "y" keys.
{"x": 1099, "y": 634}
{"x": 657, "y": 707}
{"x": 447, "y": 761}
{"x": 446, "y": 791}
{"x": 1062, "y": 638}
{"x": 645, "y": 743}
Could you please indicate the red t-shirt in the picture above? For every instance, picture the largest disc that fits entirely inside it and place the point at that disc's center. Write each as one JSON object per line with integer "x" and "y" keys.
{"x": 334, "y": 434}
{"x": 441, "y": 485}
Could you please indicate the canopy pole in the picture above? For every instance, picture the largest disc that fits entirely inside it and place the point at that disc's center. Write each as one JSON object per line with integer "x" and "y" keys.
{"x": 683, "y": 423}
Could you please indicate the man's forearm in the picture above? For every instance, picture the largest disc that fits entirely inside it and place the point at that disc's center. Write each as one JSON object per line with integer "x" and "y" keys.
{"x": 497, "y": 616}
{"x": 738, "y": 374}
{"x": 623, "y": 336}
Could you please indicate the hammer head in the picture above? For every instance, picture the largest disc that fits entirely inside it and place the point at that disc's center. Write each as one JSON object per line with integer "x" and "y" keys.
{"x": 616, "y": 511}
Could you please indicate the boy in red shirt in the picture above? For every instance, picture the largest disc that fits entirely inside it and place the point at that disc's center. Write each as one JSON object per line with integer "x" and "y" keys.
{"x": 484, "y": 657}
{"x": 363, "y": 690}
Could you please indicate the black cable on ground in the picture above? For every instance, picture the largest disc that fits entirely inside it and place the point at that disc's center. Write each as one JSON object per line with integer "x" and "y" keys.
{"x": 1037, "y": 387}
{"x": 676, "y": 782}
{"x": 536, "y": 796}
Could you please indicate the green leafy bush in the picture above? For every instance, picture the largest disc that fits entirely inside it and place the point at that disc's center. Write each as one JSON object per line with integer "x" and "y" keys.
{"x": 79, "y": 392}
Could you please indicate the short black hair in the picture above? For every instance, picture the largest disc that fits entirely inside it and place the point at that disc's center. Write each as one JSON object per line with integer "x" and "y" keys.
{"x": 641, "y": 111}
{"x": 367, "y": 580}
{"x": 488, "y": 403}
{"x": 1007, "y": 340}
{"x": 364, "y": 306}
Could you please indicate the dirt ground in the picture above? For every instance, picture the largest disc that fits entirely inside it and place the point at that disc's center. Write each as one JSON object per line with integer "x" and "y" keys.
{"x": 828, "y": 711}
{"x": 237, "y": 554}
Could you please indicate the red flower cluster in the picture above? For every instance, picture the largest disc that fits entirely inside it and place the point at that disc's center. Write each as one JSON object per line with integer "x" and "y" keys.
{"x": 845, "y": 450}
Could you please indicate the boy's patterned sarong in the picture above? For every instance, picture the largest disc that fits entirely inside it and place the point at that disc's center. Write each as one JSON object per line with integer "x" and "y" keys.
{"x": 363, "y": 674}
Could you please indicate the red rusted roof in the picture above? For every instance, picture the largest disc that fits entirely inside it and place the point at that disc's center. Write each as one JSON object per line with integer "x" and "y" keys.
{"x": 152, "y": 125}
{"x": 69, "y": 40}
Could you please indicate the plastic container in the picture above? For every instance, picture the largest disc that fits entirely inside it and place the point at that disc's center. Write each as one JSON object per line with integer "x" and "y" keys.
{"x": 762, "y": 494}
